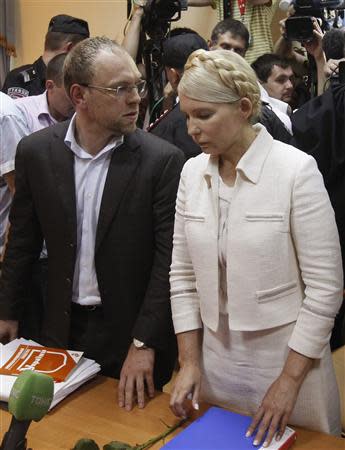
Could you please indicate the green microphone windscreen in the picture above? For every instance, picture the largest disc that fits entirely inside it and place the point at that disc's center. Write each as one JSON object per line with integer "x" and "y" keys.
{"x": 31, "y": 396}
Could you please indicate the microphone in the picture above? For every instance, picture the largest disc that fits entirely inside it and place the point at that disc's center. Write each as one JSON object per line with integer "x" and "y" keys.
{"x": 30, "y": 398}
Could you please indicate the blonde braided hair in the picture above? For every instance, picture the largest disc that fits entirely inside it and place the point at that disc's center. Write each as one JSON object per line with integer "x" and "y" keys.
{"x": 220, "y": 76}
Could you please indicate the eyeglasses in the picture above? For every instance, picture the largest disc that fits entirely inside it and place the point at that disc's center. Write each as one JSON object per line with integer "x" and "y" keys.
{"x": 121, "y": 91}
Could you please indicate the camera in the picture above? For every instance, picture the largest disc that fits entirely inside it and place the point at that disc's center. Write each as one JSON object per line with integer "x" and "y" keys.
{"x": 158, "y": 14}
{"x": 299, "y": 27}
{"x": 155, "y": 25}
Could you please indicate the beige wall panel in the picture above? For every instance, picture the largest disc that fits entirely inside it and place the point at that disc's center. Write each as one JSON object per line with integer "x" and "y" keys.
{"x": 201, "y": 20}
{"x": 105, "y": 17}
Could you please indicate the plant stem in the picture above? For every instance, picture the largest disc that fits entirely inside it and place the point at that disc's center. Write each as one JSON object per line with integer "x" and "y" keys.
{"x": 152, "y": 441}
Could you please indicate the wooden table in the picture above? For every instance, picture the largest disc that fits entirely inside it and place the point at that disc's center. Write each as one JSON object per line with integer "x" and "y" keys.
{"x": 92, "y": 412}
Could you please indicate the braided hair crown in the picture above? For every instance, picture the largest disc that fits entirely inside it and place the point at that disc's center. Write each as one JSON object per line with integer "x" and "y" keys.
{"x": 219, "y": 76}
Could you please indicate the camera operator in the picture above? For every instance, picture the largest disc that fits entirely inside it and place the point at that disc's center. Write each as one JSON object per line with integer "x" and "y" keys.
{"x": 132, "y": 32}
{"x": 172, "y": 125}
{"x": 298, "y": 59}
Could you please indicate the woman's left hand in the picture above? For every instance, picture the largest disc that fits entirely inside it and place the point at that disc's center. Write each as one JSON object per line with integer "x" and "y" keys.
{"x": 279, "y": 401}
{"x": 274, "y": 412}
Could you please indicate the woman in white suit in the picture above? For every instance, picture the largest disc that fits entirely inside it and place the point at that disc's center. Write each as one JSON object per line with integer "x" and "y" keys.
{"x": 256, "y": 274}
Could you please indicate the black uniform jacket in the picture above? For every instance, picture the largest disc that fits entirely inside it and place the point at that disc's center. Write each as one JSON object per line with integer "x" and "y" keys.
{"x": 26, "y": 80}
{"x": 273, "y": 124}
{"x": 133, "y": 240}
{"x": 173, "y": 128}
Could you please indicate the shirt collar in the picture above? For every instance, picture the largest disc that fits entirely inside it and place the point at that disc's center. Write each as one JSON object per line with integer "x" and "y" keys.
{"x": 251, "y": 163}
{"x": 43, "y": 108}
{"x": 73, "y": 145}
{"x": 279, "y": 104}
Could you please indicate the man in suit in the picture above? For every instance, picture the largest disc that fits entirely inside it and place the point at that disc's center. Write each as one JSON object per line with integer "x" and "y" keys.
{"x": 102, "y": 195}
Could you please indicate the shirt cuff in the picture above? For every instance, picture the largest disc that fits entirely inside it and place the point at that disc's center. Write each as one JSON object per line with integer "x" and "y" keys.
{"x": 7, "y": 167}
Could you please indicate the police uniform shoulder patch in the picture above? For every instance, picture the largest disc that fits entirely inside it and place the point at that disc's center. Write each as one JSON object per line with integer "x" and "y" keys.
{"x": 29, "y": 74}
{"x": 17, "y": 92}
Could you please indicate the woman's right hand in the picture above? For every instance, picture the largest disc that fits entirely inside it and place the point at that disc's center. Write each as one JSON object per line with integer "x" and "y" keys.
{"x": 187, "y": 386}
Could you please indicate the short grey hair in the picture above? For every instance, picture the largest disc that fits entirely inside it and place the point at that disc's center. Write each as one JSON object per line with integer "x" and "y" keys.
{"x": 79, "y": 66}
{"x": 220, "y": 76}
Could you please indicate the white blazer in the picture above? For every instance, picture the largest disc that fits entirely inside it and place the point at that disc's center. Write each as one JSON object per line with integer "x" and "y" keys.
{"x": 283, "y": 253}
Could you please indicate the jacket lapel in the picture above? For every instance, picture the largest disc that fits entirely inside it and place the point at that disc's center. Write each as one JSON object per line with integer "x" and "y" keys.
{"x": 123, "y": 164}
{"x": 63, "y": 168}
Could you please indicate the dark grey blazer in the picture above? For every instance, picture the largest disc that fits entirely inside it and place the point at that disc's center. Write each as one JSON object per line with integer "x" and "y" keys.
{"x": 133, "y": 240}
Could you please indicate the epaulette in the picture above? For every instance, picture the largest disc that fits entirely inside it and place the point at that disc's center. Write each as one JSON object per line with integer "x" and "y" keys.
{"x": 28, "y": 74}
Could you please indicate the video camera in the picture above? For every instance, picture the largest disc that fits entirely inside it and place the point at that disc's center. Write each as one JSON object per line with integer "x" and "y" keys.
{"x": 300, "y": 27}
{"x": 155, "y": 25}
{"x": 158, "y": 14}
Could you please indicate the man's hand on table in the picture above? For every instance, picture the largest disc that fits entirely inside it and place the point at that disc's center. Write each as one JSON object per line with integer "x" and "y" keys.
{"x": 8, "y": 330}
{"x": 136, "y": 372}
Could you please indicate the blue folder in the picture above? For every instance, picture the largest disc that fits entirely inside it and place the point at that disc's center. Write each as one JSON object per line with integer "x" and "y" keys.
{"x": 217, "y": 429}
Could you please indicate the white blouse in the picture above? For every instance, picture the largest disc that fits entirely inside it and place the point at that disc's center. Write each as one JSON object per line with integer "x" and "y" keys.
{"x": 225, "y": 197}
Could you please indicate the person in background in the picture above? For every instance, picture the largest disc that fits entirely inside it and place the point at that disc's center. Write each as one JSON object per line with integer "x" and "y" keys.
{"x": 257, "y": 16}
{"x": 54, "y": 105}
{"x": 256, "y": 273}
{"x": 38, "y": 112}
{"x": 276, "y": 80}
{"x": 12, "y": 129}
{"x": 333, "y": 45}
{"x": 131, "y": 37}
{"x": 63, "y": 33}
{"x": 101, "y": 194}
{"x": 172, "y": 125}
{"x": 309, "y": 73}
{"x": 318, "y": 128}
{"x": 230, "y": 34}
{"x": 275, "y": 75}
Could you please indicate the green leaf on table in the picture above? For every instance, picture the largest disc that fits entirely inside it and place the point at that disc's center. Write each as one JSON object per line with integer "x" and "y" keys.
{"x": 86, "y": 444}
{"x": 117, "y": 445}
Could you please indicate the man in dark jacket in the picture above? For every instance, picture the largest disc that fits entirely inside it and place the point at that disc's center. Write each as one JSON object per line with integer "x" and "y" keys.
{"x": 101, "y": 194}
{"x": 171, "y": 126}
{"x": 230, "y": 35}
{"x": 318, "y": 128}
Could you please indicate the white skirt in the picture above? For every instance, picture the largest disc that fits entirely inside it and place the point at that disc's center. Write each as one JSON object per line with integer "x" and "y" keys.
{"x": 239, "y": 367}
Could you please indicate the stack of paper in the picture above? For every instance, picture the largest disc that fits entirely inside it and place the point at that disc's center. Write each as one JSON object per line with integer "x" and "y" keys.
{"x": 84, "y": 370}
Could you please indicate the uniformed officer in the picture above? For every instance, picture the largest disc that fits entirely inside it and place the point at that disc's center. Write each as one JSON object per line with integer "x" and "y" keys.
{"x": 63, "y": 33}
